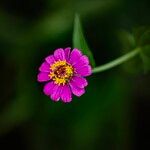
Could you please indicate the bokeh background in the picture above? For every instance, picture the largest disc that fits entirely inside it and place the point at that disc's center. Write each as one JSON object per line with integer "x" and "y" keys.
{"x": 114, "y": 112}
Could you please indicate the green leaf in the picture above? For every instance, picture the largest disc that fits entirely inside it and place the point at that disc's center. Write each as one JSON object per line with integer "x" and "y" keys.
{"x": 79, "y": 40}
{"x": 145, "y": 55}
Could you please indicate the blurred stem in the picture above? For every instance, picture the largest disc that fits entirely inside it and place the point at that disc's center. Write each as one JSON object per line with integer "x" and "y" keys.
{"x": 117, "y": 61}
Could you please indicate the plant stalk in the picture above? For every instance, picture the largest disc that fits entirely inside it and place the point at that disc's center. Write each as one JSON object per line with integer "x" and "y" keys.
{"x": 117, "y": 61}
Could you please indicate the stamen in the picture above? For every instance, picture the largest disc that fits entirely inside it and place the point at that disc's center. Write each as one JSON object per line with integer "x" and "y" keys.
{"x": 61, "y": 72}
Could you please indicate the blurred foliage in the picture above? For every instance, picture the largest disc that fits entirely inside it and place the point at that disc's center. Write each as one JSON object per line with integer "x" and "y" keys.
{"x": 105, "y": 117}
{"x": 145, "y": 55}
{"x": 142, "y": 38}
{"x": 139, "y": 38}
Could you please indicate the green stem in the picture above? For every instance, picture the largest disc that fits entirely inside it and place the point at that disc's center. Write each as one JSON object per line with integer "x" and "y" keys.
{"x": 117, "y": 61}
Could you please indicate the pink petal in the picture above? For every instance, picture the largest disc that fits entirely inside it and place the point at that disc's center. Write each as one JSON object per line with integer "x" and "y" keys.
{"x": 84, "y": 71}
{"x": 82, "y": 61}
{"x": 67, "y": 53}
{"x": 79, "y": 81}
{"x": 43, "y": 76}
{"x": 50, "y": 59}
{"x": 45, "y": 67}
{"x": 66, "y": 94}
{"x": 56, "y": 92}
{"x": 75, "y": 56}
{"x": 48, "y": 88}
{"x": 76, "y": 90}
{"x": 59, "y": 54}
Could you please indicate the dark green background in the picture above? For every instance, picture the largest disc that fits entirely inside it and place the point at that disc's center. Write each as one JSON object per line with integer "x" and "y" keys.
{"x": 114, "y": 112}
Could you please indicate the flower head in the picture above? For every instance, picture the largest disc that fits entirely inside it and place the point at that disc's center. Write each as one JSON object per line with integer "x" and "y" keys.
{"x": 64, "y": 71}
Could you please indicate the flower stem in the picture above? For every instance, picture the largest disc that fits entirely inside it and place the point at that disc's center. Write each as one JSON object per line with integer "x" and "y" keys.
{"x": 117, "y": 61}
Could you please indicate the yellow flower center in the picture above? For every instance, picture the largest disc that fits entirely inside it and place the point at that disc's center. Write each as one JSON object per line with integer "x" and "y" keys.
{"x": 61, "y": 72}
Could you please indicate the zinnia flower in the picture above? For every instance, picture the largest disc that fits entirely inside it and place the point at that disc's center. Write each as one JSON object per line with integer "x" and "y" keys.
{"x": 65, "y": 71}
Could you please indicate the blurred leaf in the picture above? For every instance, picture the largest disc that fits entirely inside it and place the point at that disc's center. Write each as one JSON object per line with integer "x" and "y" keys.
{"x": 127, "y": 40}
{"x": 140, "y": 38}
{"x": 79, "y": 40}
{"x": 17, "y": 112}
{"x": 145, "y": 38}
{"x": 145, "y": 55}
{"x": 128, "y": 43}
{"x": 142, "y": 35}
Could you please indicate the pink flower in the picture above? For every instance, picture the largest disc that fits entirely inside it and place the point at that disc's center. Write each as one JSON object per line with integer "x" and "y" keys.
{"x": 65, "y": 71}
